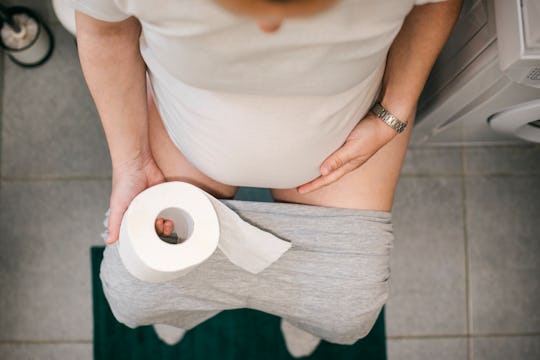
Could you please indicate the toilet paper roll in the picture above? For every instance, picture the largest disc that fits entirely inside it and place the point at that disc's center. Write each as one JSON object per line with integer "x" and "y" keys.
{"x": 202, "y": 222}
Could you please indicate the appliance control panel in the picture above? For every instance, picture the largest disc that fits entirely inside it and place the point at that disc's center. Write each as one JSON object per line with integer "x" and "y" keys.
{"x": 518, "y": 39}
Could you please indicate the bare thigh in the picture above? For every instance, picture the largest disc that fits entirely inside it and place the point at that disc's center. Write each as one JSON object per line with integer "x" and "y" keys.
{"x": 371, "y": 186}
{"x": 172, "y": 162}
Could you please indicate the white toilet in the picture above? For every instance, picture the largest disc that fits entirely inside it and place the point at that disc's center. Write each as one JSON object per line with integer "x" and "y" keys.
{"x": 521, "y": 121}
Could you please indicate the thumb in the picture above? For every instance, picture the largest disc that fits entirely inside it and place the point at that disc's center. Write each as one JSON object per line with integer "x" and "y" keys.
{"x": 115, "y": 219}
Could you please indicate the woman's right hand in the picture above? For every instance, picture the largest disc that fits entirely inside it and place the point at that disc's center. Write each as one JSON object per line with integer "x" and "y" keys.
{"x": 129, "y": 179}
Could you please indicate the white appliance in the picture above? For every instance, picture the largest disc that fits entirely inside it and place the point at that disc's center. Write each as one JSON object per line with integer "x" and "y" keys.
{"x": 485, "y": 86}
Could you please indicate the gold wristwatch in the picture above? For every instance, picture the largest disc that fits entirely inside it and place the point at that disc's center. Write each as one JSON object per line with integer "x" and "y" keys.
{"x": 388, "y": 118}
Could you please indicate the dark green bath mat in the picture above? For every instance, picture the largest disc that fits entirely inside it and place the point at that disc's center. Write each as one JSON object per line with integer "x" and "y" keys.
{"x": 241, "y": 334}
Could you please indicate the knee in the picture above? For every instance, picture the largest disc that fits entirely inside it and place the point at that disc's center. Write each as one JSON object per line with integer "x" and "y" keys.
{"x": 351, "y": 317}
{"x": 351, "y": 329}
{"x": 343, "y": 329}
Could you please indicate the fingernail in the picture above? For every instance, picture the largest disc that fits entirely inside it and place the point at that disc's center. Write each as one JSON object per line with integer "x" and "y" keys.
{"x": 325, "y": 170}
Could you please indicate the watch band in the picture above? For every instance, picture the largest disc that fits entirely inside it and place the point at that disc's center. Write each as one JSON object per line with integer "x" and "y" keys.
{"x": 388, "y": 118}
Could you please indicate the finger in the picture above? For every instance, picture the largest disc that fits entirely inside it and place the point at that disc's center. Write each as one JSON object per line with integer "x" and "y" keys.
{"x": 159, "y": 226}
{"x": 323, "y": 181}
{"x": 168, "y": 227}
{"x": 113, "y": 227}
{"x": 340, "y": 157}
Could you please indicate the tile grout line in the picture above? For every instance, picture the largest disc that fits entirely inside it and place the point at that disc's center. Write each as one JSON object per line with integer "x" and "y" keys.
{"x": 2, "y": 108}
{"x": 474, "y": 146}
{"x": 459, "y": 336}
{"x": 54, "y": 178}
{"x": 2, "y": 76}
{"x": 427, "y": 337}
{"x": 395, "y": 337}
{"x": 479, "y": 174}
{"x": 468, "y": 305}
{"x": 45, "y": 342}
{"x": 109, "y": 177}
{"x": 502, "y": 173}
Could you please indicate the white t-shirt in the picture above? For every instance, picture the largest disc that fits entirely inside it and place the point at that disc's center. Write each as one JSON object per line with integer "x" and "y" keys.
{"x": 250, "y": 108}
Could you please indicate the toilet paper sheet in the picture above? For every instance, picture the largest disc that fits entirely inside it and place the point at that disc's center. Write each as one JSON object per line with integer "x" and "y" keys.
{"x": 203, "y": 222}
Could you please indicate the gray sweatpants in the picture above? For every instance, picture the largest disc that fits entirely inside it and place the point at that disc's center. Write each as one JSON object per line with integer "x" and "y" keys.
{"x": 332, "y": 282}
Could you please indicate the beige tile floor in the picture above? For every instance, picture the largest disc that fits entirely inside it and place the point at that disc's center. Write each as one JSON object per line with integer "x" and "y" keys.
{"x": 465, "y": 268}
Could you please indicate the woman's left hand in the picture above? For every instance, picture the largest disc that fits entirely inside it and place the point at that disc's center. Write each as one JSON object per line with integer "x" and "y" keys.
{"x": 369, "y": 135}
